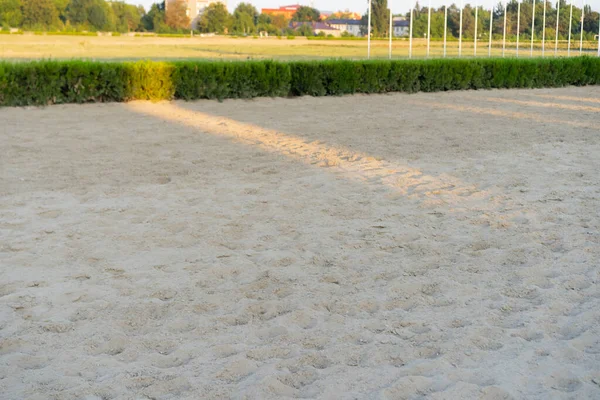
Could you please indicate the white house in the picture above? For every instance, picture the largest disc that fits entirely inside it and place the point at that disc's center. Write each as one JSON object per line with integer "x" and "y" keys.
{"x": 400, "y": 26}
{"x": 195, "y": 8}
{"x": 352, "y": 26}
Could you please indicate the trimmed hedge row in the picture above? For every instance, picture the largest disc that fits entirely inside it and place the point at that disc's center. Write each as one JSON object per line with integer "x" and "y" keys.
{"x": 49, "y": 82}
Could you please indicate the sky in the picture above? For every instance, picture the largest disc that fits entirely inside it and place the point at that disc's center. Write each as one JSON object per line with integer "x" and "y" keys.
{"x": 398, "y": 6}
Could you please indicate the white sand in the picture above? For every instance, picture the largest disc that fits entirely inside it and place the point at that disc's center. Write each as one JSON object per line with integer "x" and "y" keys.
{"x": 440, "y": 246}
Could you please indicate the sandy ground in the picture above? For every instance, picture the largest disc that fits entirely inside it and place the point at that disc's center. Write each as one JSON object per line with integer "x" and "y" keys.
{"x": 439, "y": 246}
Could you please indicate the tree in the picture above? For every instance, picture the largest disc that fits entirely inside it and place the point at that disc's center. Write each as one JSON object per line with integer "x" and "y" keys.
{"x": 305, "y": 29}
{"x": 10, "y": 13}
{"x": 155, "y": 17}
{"x": 247, "y": 8}
{"x": 127, "y": 17}
{"x": 280, "y": 22}
{"x": 380, "y": 17}
{"x": 245, "y": 18}
{"x": 39, "y": 13}
{"x": 176, "y": 15}
{"x": 306, "y": 14}
{"x": 61, "y": 8}
{"x": 97, "y": 15}
{"x": 215, "y": 18}
{"x": 264, "y": 19}
{"x": 243, "y": 23}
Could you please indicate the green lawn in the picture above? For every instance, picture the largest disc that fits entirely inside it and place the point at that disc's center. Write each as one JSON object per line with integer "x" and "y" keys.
{"x": 27, "y": 47}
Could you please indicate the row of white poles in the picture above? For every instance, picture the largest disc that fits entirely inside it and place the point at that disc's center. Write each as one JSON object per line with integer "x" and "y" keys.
{"x": 491, "y": 27}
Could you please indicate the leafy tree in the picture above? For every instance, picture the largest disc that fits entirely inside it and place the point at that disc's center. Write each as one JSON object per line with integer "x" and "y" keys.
{"x": 62, "y": 7}
{"x": 155, "y": 18}
{"x": 39, "y": 13}
{"x": 280, "y": 22}
{"x": 380, "y": 18}
{"x": 89, "y": 13}
{"x": 10, "y": 13}
{"x": 243, "y": 23}
{"x": 306, "y": 14}
{"x": 272, "y": 24}
{"x": 305, "y": 29}
{"x": 264, "y": 19}
{"x": 176, "y": 15}
{"x": 247, "y": 8}
{"x": 215, "y": 18}
{"x": 245, "y": 18}
{"x": 127, "y": 17}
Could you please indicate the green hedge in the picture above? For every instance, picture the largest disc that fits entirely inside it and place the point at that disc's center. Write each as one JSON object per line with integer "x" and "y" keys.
{"x": 48, "y": 82}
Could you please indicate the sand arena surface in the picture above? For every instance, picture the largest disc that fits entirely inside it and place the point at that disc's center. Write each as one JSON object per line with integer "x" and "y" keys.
{"x": 441, "y": 246}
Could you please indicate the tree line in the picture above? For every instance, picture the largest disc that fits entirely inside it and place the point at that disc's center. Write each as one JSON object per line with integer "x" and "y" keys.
{"x": 101, "y": 15}
{"x": 590, "y": 25}
{"x": 117, "y": 16}
{"x": 380, "y": 20}
{"x": 59, "y": 15}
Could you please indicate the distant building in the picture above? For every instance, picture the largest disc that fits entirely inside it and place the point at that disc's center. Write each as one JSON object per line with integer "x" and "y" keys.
{"x": 401, "y": 26}
{"x": 287, "y": 11}
{"x": 318, "y": 27}
{"x": 352, "y": 26}
{"x": 195, "y": 8}
{"x": 356, "y": 27}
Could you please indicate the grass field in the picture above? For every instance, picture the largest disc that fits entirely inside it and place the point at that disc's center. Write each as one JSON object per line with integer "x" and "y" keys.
{"x": 22, "y": 47}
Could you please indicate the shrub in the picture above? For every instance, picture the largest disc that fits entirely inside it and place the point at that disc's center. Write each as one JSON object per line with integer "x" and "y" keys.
{"x": 147, "y": 80}
{"x": 172, "y": 35}
{"x": 291, "y": 37}
{"x": 221, "y": 80}
{"x": 48, "y": 82}
{"x": 70, "y": 33}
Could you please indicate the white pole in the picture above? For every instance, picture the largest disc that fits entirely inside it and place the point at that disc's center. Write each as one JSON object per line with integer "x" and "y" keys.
{"x": 557, "y": 20}
{"x": 428, "y": 28}
{"x": 581, "y": 36}
{"x": 369, "y": 33}
{"x": 391, "y": 33}
{"x": 570, "y": 27}
{"x": 445, "y": 27}
{"x": 518, "y": 23}
{"x": 410, "y": 34}
{"x": 475, "y": 44}
{"x": 460, "y": 30}
{"x": 491, "y": 30}
{"x": 532, "y": 28}
{"x": 598, "y": 38}
{"x": 544, "y": 31}
{"x": 504, "y": 33}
